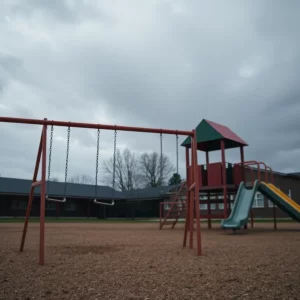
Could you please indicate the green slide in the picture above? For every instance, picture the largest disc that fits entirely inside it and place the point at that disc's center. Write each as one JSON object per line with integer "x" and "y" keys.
{"x": 244, "y": 200}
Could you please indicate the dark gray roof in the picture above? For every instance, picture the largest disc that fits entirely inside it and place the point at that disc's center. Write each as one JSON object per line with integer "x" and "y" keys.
{"x": 295, "y": 174}
{"x": 74, "y": 190}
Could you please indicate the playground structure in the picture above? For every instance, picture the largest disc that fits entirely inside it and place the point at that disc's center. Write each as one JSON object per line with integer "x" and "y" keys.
{"x": 223, "y": 180}
{"x": 41, "y": 159}
{"x": 219, "y": 178}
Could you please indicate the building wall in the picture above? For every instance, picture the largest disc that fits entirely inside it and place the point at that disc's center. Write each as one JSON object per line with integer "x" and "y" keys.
{"x": 262, "y": 207}
{"x": 15, "y": 206}
{"x": 286, "y": 184}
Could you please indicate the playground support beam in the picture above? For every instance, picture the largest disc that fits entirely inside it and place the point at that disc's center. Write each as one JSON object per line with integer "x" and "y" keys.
{"x": 93, "y": 126}
{"x": 208, "y": 194}
{"x": 195, "y": 199}
{"x": 29, "y": 205}
{"x": 242, "y": 162}
{"x": 187, "y": 202}
{"x": 43, "y": 197}
{"x": 224, "y": 178}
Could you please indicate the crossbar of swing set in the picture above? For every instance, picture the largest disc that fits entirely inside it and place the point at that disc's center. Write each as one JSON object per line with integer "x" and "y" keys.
{"x": 92, "y": 126}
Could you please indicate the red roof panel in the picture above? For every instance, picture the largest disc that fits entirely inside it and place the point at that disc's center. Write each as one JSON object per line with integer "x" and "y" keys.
{"x": 226, "y": 132}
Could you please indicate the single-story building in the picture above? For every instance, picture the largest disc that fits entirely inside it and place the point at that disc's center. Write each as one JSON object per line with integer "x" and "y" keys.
{"x": 142, "y": 203}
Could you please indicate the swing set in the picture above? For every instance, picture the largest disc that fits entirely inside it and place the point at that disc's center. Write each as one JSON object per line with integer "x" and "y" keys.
{"x": 66, "y": 169}
{"x": 192, "y": 200}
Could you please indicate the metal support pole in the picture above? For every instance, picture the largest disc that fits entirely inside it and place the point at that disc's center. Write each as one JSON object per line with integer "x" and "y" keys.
{"x": 242, "y": 163}
{"x": 196, "y": 192}
{"x": 43, "y": 197}
{"x": 192, "y": 197}
{"x": 187, "y": 201}
{"x": 224, "y": 178}
{"x": 208, "y": 194}
{"x": 29, "y": 205}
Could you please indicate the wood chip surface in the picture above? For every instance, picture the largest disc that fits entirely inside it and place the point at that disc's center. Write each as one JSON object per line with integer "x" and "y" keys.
{"x": 138, "y": 262}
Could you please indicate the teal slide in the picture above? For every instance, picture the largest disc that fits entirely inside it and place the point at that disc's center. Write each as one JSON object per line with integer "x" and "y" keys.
{"x": 244, "y": 200}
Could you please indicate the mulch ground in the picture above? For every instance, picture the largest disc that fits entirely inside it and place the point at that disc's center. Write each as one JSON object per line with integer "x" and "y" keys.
{"x": 137, "y": 261}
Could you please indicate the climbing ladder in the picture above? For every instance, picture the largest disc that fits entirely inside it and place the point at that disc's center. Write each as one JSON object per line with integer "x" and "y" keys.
{"x": 176, "y": 208}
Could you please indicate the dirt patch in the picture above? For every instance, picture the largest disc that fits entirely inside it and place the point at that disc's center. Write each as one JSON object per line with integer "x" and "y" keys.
{"x": 138, "y": 261}
{"x": 85, "y": 250}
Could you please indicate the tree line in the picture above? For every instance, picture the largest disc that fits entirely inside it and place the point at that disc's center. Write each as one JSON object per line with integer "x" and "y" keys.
{"x": 134, "y": 171}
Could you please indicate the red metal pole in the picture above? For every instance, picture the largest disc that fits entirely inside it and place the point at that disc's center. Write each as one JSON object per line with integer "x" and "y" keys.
{"x": 95, "y": 126}
{"x": 187, "y": 201}
{"x": 224, "y": 178}
{"x": 160, "y": 213}
{"x": 208, "y": 195}
{"x": 192, "y": 196}
{"x": 29, "y": 206}
{"x": 242, "y": 162}
{"x": 43, "y": 196}
{"x": 196, "y": 193}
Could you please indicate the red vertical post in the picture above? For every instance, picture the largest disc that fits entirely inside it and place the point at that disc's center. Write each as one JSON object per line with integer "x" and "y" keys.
{"x": 196, "y": 193}
{"x": 208, "y": 195}
{"x": 187, "y": 200}
{"x": 224, "y": 178}
{"x": 192, "y": 195}
{"x": 43, "y": 196}
{"x": 29, "y": 205}
{"x": 242, "y": 163}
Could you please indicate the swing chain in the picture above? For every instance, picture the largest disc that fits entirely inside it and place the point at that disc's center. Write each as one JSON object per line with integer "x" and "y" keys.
{"x": 177, "y": 153}
{"x": 161, "y": 158}
{"x": 114, "y": 161}
{"x": 97, "y": 162}
{"x": 67, "y": 160}
{"x": 50, "y": 153}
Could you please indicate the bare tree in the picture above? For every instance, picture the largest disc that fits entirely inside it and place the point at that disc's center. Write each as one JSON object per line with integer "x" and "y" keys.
{"x": 83, "y": 179}
{"x": 153, "y": 172}
{"x": 126, "y": 170}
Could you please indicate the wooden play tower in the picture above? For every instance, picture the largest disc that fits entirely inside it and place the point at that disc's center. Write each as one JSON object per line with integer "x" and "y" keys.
{"x": 217, "y": 181}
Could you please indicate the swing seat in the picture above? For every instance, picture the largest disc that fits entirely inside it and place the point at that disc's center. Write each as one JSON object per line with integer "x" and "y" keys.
{"x": 104, "y": 203}
{"x": 56, "y": 200}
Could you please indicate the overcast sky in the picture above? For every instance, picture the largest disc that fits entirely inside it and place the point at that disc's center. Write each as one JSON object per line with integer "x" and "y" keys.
{"x": 163, "y": 63}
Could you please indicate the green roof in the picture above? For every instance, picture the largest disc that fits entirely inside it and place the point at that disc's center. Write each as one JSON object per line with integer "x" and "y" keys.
{"x": 209, "y": 135}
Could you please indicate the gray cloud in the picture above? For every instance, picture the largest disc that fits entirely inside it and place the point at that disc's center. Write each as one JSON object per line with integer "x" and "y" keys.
{"x": 155, "y": 64}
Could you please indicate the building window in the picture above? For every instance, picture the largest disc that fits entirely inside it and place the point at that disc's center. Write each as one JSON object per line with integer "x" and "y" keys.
{"x": 212, "y": 206}
{"x": 270, "y": 203}
{"x": 203, "y": 206}
{"x": 221, "y": 205}
{"x": 166, "y": 206}
{"x": 258, "y": 201}
{"x": 19, "y": 204}
{"x": 70, "y": 206}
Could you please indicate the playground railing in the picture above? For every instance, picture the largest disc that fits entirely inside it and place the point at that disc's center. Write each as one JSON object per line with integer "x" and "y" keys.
{"x": 267, "y": 170}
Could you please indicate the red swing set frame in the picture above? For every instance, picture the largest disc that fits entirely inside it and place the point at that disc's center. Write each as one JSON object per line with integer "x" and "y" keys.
{"x": 192, "y": 211}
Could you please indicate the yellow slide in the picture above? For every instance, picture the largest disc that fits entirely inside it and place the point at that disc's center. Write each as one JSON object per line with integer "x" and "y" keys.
{"x": 283, "y": 196}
